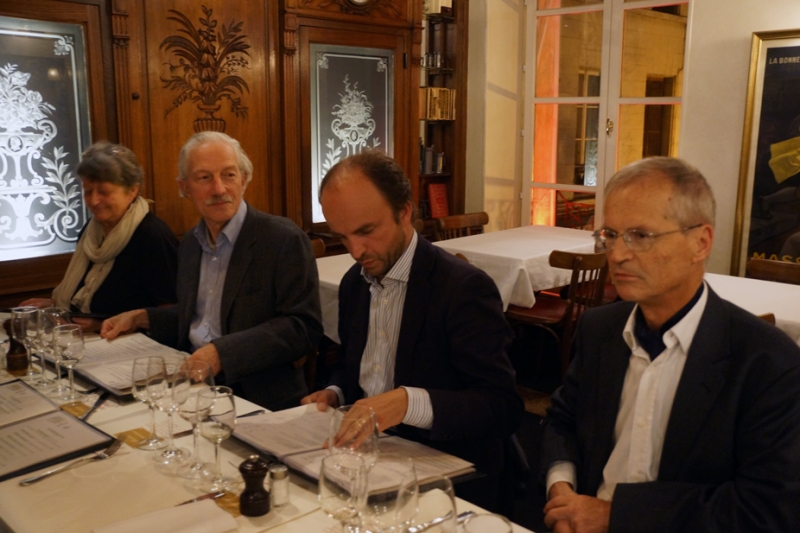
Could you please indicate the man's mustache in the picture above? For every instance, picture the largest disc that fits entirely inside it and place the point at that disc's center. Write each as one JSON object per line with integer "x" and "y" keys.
{"x": 225, "y": 198}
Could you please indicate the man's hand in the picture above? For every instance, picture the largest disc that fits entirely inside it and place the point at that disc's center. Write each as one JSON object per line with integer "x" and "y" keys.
{"x": 323, "y": 398}
{"x": 571, "y": 512}
{"x": 126, "y": 322}
{"x": 390, "y": 407}
{"x": 88, "y": 325}
{"x": 41, "y": 303}
{"x": 208, "y": 354}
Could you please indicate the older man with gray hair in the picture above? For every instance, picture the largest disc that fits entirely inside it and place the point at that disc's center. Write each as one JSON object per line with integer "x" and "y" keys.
{"x": 680, "y": 411}
{"x": 248, "y": 289}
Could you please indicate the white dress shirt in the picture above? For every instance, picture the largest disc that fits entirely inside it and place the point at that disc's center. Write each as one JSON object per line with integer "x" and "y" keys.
{"x": 647, "y": 396}
{"x": 376, "y": 376}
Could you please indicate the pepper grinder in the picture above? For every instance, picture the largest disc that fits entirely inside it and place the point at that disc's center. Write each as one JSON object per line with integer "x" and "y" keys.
{"x": 254, "y": 500}
{"x": 17, "y": 356}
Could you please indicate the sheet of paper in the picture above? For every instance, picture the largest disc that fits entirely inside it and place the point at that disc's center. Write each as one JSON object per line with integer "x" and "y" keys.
{"x": 44, "y": 438}
{"x": 18, "y": 402}
{"x": 286, "y": 432}
{"x": 125, "y": 348}
{"x": 111, "y": 375}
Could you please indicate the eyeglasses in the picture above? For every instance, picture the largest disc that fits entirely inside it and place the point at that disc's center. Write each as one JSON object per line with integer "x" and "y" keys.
{"x": 637, "y": 240}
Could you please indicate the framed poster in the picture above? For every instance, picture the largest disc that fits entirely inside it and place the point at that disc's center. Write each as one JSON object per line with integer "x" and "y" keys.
{"x": 352, "y": 95}
{"x": 768, "y": 204}
{"x": 44, "y": 128}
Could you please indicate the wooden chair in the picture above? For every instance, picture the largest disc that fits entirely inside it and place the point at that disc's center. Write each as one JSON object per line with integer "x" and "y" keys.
{"x": 558, "y": 315}
{"x": 460, "y": 225}
{"x": 769, "y": 318}
{"x": 780, "y": 271}
{"x": 318, "y": 245}
{"x": 419, "y": 225}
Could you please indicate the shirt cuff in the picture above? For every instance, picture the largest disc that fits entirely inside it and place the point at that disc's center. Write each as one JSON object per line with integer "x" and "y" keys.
{"x": 561, "y": 471}
{"x": 339, "y": 393}
{"x": 420, "y": 411}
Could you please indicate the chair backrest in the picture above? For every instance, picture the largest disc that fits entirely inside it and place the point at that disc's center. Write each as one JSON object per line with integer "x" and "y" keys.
{"x": 769, "y": 318}
{"x": 419, "y": 225}
{"x": 769, "y": 270}
{"x": 586, "y": 287}
{"x": 460, "y": 225}
{"x": 318, "y": 245}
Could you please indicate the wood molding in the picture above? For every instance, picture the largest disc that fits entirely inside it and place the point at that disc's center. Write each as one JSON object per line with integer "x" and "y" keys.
{"x": 119, "y": 25}
{"x": 291, "y": 120}
{"x": 384, "y": 12}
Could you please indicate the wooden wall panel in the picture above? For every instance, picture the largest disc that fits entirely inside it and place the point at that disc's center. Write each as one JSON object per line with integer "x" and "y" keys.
{"x": 168, "y": 131}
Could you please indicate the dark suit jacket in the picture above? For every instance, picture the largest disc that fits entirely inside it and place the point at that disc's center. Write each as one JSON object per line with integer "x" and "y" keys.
{"x": 270, "y": 314}
{"x": 453, "y": 340}
{"x": 731, "y": 456}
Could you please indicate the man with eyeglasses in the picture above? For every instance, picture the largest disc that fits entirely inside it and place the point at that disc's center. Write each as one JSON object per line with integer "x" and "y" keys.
{"x": 680, "y": 412}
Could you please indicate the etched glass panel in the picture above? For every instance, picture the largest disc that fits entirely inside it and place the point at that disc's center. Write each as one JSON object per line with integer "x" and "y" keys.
{"x": 44, "y": 127}
{"x": 351, "y": 107}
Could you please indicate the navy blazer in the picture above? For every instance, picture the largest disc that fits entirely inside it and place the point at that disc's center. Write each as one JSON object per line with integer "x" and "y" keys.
{"x": 452, "y": 342}
{"x": 269, "y": 313}
{"x": 731, "y": 455}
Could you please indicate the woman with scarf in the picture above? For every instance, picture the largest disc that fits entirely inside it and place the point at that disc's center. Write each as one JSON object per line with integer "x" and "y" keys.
{"x": 126, "y": 257}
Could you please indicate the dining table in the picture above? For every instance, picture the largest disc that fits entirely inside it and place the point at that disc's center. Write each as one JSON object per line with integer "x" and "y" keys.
{"x": 516, "y": 259}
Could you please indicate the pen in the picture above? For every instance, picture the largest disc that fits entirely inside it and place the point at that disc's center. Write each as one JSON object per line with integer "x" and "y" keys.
{"x": 97, "y": 403}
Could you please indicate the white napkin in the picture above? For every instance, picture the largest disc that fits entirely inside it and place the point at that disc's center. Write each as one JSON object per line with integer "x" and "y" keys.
{"x": 198, "y": 517}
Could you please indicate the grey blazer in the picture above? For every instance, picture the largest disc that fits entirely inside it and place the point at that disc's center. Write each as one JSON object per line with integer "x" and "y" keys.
{"x": 270, "y": 313}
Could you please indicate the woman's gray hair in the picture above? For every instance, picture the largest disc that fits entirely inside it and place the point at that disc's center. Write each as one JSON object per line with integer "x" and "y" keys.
{"x": 205, "y": 137}
{"x": 693, "y": 201}
{"x": 105, "y": 162}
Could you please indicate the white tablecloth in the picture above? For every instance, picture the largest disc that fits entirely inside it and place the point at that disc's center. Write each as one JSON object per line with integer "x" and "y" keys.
{"x": 761, "y": 297}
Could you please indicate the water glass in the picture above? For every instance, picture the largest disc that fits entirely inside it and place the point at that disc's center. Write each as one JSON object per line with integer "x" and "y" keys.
{"x": 216, "y": 427}
{"x": 342, "y": 481}
{"x": 437, "y": 506}
{"x": 354, "y": 429}
{"x": 145, "y": 373}
{"x": 178, "y": 381}
{"x": 68, "y": 342}
{"x": 24, "y": 330}
{"x": 392, "y": 494}
{"x": 194, "y": 408}
{"x": 487, "y": 523}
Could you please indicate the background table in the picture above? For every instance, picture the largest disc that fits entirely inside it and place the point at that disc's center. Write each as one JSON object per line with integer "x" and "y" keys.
{"x": 760, "y": 297}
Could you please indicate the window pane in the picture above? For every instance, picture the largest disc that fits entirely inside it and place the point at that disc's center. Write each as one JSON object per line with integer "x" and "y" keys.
{"x": 565, "y": 209}
{"x": 646, "y": 131}
{"x": 653, "y": 48}
{"x": 565, "y": 144}
{"x": 555, "y": 4}
{"x": 568, "y": 51}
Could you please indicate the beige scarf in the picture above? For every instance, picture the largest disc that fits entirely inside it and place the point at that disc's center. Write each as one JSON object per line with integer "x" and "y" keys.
{"x": 93, "y": 247}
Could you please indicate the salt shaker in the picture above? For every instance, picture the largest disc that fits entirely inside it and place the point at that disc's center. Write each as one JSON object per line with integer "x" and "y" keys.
{"x": 279, "y": 484}
{"x": 254, "y": 500}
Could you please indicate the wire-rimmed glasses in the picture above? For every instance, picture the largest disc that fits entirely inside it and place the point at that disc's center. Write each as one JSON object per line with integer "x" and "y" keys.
{"x": 146, "y": 373}
{"x": 637, "y": 240}
{"x": 216, "y": 427}
{"x": 68, "y": 344}
{"x": 194, "y": 409}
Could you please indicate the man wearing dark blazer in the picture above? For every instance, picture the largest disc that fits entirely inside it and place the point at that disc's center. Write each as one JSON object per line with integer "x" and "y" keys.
{"x": 423, "y": 333}
{"x": 248, "y": 289}
{"x": 680, "y": 411}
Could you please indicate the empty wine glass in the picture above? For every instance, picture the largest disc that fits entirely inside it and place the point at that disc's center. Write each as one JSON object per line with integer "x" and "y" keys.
{"x": 178, "y": 381}
{"x": 391, "y": 498}
{"x": 354, "y": 429}
{"x": 68, "y": 342}
{"x": 216, "y": 427}
{"x": 436, "y": 510}
{"x": 342, "y": 481}
{"x": 24, "y": 330}
{"x": 194, "y": 409}
{"x": 49, "y": 318}
{"x": 487, "y": 523}
{"x": 144, "y": 371}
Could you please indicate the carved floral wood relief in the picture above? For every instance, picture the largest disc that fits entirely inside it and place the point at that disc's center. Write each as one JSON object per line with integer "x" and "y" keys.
{"x": 385, "y": 8}
{"x": 203, "y": 67}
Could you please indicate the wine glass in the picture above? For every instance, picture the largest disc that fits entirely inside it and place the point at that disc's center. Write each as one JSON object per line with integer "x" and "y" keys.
{"x": 392, "y": 493}
{"x": 194, "y": 409}
{"x": 354, "y": 429}
{"x": 145, "y": 370}
{"x": 487, "y": 523}
{"x": 436, "y": 511}
{"x": 23, "y": 329}
{"x": 342, "y": 480}
{"x": 216, "y": 427}
{"x": 49, "y": 318}
{"x": 68, "y": 342}
{"x": 178, "y": 381}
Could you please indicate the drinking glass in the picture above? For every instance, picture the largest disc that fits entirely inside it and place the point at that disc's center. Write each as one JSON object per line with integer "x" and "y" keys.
{"x": 354, "y": 429}
{"x": 194, "y": 409}
{"x": 23, "y": 329}
{"x": 392, "y": 492}
{"x": 216, "y": 427}
{"x": 342, "y": 480}
{"x": 146, "y": 370}
{"x": 178, "y": 381}
{"x": 49, "y": 318}
{"x": 68, "y": 342}
{"x": 436, "y": 511}
{"x": 487, "y": 523}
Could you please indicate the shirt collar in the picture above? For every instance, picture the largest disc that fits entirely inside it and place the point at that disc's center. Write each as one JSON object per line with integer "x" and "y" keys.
{"x": 401, "y": 269}
{"x": 230, "y": 230}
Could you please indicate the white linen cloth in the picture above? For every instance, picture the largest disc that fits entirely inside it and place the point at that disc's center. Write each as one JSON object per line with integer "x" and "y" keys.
{"x": 198, "y": 517}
